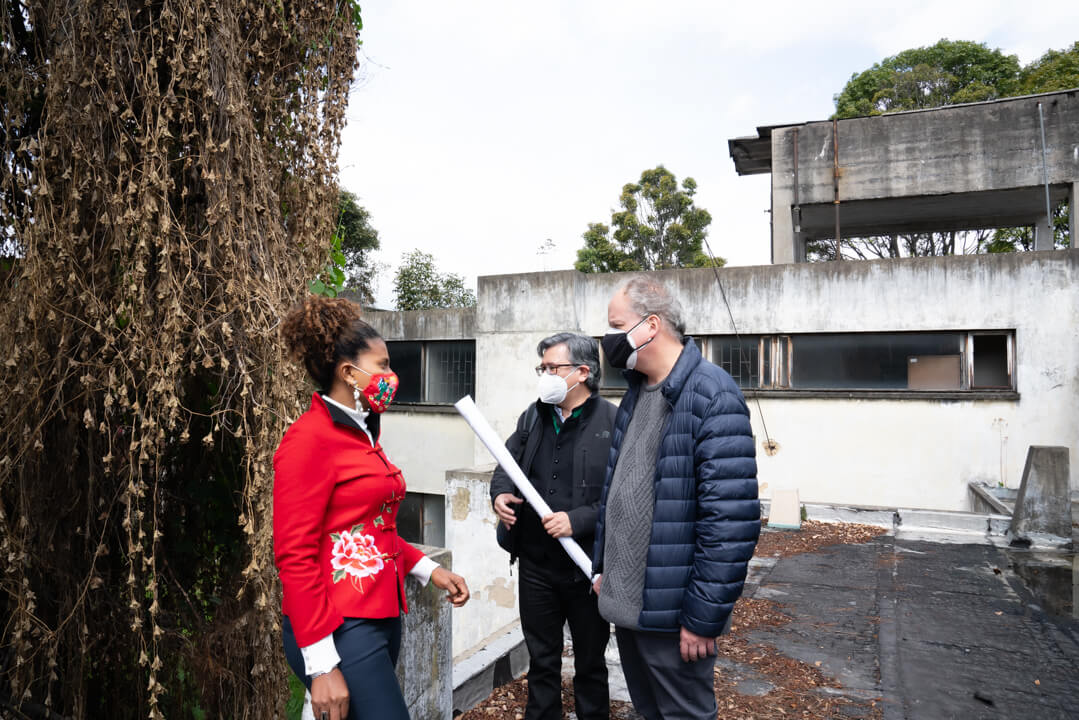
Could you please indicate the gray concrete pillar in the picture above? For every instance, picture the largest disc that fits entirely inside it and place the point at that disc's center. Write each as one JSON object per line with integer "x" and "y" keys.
{"x": 1073, "y": 222}
{"x": 1043, "y": 234}
{"x": 425, "y": 667}
{"x": 1043, "y": 505}
{"x": 783, "y": 249}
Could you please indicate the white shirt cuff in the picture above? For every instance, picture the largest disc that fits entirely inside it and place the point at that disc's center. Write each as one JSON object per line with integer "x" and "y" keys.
{"x": 423, "y": 569}
{"x": 321, "y": 656}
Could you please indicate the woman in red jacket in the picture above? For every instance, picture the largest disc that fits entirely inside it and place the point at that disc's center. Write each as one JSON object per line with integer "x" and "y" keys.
{"x": 341, "y": 562}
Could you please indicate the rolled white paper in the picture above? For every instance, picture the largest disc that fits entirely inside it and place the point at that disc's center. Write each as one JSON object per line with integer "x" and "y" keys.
{"x": 487, "y": 436}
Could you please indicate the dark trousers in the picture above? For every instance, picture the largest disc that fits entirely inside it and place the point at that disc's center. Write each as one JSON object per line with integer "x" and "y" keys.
{"x": 368, "y": 650}
{"x": 549, "y": 599}
{"x": 661, "y": 685}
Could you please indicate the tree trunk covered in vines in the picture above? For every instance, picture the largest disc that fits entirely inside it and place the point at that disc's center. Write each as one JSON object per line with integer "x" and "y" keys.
{"x": 167, "y": 190}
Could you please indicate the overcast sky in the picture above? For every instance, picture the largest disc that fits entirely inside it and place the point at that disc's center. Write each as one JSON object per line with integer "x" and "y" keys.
{"x": 479, "y": 129}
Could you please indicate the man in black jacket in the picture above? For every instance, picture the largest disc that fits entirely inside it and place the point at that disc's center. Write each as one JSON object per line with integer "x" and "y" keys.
{"x": 561, "y": 443}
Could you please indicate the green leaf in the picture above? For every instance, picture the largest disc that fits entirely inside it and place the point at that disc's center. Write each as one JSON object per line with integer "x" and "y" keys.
{"x": 335, "y": 536}
{"x": 356, "y": 529}
{"x": 338, "y": 575}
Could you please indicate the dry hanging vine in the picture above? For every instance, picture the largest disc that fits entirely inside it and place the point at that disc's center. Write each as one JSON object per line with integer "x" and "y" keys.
{"x": 167, "y": 187}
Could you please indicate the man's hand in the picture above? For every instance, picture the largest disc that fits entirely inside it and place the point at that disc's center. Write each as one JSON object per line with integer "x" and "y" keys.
{"x": 329, "y": 696}
{"x": 695, "y": 647}
{"x": 596, "y": 583}
{"x": 557, "y": 525}
{"x": 502, "y": 508}
{"x": 455, "y": 586}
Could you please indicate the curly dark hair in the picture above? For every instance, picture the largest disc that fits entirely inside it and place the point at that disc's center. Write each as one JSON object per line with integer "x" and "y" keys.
{"x": 322, "y": 331}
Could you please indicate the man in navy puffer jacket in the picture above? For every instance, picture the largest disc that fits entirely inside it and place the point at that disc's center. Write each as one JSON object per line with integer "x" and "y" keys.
{"x": 679, "y": 516}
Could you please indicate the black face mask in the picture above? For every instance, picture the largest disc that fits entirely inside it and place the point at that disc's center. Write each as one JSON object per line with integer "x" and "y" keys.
{"x": 619, "y": 348}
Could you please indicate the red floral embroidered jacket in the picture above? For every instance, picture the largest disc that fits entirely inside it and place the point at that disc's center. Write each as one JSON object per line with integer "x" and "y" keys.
{"x": 336, "y": 547}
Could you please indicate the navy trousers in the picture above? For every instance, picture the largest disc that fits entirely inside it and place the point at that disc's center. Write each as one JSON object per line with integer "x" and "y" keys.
{"x": 661, "y": 686}
{"x": 368, "y": 650}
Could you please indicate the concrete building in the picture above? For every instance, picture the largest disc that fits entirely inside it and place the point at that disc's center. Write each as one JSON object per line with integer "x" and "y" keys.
{"x": 963, "y": 167}
{"x": 889, "y": 383}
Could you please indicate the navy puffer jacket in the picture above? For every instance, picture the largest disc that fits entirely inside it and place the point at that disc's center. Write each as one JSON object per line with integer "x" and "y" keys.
{"x": 706, "y": 518}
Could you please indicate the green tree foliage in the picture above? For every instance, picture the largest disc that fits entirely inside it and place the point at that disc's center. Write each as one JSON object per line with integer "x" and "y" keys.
{"x": 418, "y": 285}
{"x": 358, "y": 240}
{"x": 948, "y": 73}
{"x": 1055, "y": 70}
{"x": 658, "y": 228}
{"x": 349, "y": 265}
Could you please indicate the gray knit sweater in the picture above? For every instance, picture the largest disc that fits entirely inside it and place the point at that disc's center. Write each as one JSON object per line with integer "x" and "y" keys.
{"x": 630, "y": 502}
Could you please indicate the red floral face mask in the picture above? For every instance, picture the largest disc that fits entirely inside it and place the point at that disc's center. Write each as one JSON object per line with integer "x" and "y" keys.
{"x": 380, "y": 390}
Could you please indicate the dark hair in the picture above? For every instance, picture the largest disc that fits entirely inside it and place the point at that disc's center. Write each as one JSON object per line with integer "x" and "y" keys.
{"x": 322, "y": 331}
{"x": 583, "y": 350}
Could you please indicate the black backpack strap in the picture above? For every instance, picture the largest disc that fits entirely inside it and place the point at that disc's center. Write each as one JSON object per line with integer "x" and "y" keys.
{"x": 531, "y": 418}
{"x": 507, "y": 540}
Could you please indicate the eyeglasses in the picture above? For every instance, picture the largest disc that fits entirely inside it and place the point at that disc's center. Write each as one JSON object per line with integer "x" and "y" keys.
{"x": 552, "y": 369}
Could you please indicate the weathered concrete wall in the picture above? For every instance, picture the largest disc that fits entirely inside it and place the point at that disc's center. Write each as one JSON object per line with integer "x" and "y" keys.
{"x": 438, "y": 324}
{"x": 425, "y": 666}
{"x": 961, "y": 167}
{"x": 958, "y": 149}
{"x": 425, "y": 444}
{"x": 899, "y": 453}
{"x": 470, "y": 531}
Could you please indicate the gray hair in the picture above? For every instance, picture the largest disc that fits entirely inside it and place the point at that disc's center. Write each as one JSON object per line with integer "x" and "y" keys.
{"x": 647, "y": 296}
{"x": 583, "y": 350}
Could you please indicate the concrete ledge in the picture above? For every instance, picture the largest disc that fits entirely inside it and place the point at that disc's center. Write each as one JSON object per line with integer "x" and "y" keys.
{"x": 918, "y": 395}
{"x": 875, "y": 516}
{"x": 436, "y": 408}
{"x": 943, "y": 520}
{"x": 984, "y": 499}
{"x": 501, "y": 660}
{"x": 931, "y": 525}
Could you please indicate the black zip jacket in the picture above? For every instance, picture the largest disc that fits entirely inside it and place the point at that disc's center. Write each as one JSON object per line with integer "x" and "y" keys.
{"x": 592, "y": 440}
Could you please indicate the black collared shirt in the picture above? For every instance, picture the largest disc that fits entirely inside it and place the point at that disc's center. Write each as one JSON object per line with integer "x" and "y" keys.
{"x": 552, "y": 475}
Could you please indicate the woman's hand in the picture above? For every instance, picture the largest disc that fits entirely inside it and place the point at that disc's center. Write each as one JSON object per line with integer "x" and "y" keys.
{"x": 329, "y": 696}
{"x": 455, "y": 586}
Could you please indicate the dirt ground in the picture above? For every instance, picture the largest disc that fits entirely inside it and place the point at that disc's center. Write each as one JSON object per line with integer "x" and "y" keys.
{"x": 797, "y": 689}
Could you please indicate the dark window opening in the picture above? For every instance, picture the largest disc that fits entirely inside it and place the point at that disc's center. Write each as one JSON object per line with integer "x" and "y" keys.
{"x": 421, "y": 518}
{"x": 406, "y": 359}
{"x": 434, "y": 372}
{"x": 870, "y": 361}
{"x": 611, "y": 378}
{"x": 990, "y": 359}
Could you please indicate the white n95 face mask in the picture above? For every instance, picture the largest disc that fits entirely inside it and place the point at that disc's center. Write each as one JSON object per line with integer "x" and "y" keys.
{"x": 552, "y": 389}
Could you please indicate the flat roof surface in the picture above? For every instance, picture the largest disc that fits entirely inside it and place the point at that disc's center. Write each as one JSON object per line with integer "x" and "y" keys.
{"x": 932, "y": 630}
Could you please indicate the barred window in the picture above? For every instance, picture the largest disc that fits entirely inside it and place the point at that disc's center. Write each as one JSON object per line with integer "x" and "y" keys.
{"x": 742, "y": 360}
{"x": 435, "y": 372}
{"x": 451, "y": 371}
{"x": 919, "y": 361}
